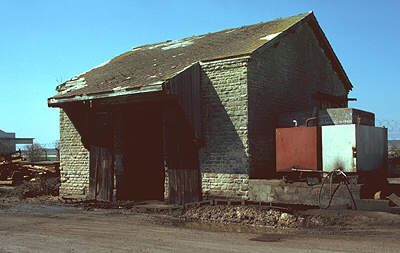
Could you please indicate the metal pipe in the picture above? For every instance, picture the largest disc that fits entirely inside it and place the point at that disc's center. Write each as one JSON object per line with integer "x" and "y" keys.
{"x": 310, "y": 119}
{"x": 337, "y": 172}
{"x": 311, "y": 171}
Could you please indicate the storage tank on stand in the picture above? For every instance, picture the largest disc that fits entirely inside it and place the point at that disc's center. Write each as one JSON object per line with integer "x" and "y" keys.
{"x": 343, "y": 138}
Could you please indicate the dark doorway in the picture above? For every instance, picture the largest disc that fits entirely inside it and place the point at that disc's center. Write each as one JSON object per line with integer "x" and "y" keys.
{"x": 142, "y": 149}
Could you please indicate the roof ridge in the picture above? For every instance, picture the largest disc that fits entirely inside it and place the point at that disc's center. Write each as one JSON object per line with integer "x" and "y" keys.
{"x": 224, "y": 30}
{"x": 283, "y": 32}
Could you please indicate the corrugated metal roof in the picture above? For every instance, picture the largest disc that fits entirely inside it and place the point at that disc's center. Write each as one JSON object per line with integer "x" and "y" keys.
{"x": 151, "y": 64}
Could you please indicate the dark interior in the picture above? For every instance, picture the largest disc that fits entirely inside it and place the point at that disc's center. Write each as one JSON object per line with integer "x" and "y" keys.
{"x": 142, "y": 154}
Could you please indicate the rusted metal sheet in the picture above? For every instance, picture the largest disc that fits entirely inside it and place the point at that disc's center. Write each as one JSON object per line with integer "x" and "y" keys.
{"x": 186, "y": 86}
{"x": 298, "y": 147}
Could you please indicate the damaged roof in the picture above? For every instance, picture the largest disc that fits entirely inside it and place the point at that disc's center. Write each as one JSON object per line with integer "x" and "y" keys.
{"x": 153, "y": 64}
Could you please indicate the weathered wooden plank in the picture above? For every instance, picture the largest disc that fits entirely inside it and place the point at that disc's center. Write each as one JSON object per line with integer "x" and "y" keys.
{"x": 186, "y": 86}
{"x": 182, "y": 160}
{"x": 107, "y": 181}
{"x": 183, "y": 185}
{"x": 101, "y": 181}
{"x": 196, "y": 74}
{"x": 394, "y": 198}
{"x": 6, "y": 182}
{"x": 93, "y": 173}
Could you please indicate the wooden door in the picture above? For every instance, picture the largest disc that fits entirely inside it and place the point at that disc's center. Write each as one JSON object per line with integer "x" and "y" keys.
{"x": 101, "y": 174}
{"x": 182, "y": 160}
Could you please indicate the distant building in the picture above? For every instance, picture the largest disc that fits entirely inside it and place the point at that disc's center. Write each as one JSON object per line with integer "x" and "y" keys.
{"x": 394, "y": 144}
{"x": 48, "y": 154}
{"x": 8, "y": 142}
{"x": 51, "y": 154}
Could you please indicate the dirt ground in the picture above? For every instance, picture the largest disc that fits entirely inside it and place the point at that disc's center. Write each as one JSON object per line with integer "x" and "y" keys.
{"x": 46, "y": 224}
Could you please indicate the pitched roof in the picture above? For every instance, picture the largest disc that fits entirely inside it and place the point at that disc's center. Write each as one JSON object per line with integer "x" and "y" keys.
{"x": 152, "y": 64}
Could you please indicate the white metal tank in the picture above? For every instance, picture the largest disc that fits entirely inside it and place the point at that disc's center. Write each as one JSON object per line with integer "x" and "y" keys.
{"x": 354, "y": 148}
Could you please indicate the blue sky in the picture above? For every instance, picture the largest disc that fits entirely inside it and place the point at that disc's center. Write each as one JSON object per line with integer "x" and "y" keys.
{"x": 44, "y": 43}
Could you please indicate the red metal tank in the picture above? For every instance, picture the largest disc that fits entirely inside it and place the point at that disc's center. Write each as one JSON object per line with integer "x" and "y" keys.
{"x": 298, "y": 147}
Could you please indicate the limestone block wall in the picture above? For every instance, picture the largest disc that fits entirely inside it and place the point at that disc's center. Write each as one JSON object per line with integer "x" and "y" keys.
{"x": 283, "y": 78}
{"x": 74, "y": 159}
{"x": 226, "y": 185}
{"x": 224, "y": 159}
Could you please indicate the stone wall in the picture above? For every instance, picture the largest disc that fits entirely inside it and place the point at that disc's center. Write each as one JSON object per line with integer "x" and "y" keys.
{"x": 282, "y": 78}
{"x": 224, "y": 157}
{"x": 74, "y": 159}
{"x": 233, "y": 186}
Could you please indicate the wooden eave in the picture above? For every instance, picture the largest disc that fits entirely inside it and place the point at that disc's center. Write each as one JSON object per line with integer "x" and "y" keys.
{"x": 153, "y": 90}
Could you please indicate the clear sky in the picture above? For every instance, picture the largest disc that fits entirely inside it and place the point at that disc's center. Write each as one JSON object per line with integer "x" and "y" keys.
{"x": 44, "y": 43}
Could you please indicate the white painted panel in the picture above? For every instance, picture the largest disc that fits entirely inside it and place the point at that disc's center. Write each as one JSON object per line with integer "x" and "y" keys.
{"x": 371, "y": 147}
{"x": 338, "y": 142}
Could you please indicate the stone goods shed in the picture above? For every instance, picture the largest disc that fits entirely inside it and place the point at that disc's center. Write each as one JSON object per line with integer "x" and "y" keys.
{"x": 195, "y": 116}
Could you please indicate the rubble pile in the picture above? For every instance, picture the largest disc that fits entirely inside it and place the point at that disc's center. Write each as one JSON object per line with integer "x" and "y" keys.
{"x": 39, "y": 187}
{"x": 28, "y": 179}
{"x": 254, "y": 216}
{"x": 240, "y": 215}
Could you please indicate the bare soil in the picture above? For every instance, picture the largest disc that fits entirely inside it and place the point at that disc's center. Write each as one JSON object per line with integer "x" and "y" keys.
{"x": 46, "y": 224}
